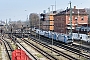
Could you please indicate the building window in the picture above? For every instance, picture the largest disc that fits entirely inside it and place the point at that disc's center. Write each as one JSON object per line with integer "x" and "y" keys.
{"x": 69, "y": 18}
{"x": 82, "y": 18}
{"x": 57, "y": 19}
{"x": 76, "y": 18}
{"x": 61, "y": 18}
{"x": 61, "y": 25}
{"x": 72, "y": 11}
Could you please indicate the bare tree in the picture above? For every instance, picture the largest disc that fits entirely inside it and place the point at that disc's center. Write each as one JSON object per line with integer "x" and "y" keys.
{"x": 15, "y": 25}
{"x": 34, "y": 20}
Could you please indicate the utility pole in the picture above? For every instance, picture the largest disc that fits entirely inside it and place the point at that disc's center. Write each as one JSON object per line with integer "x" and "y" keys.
{"x": 39, "y": 29}
{"x": 27, "y": 17}
{"x": 22, "y": 32}
{"x": 78, "y": 30}
{"x": 70, "y": 19}
{"x": 87, "y": 24}
{"x": 6, "y": 26}
{"x": 9, "y": 23}
{"x": 1, "y": 30}
{"x": 11, "y": 34}
{"x": 27, "y": 26}
{"x": 52, "y": 26}
{"x": 77, "y": 22}
{"x": 30, "y": 21}
{"x": 49, "y": 18}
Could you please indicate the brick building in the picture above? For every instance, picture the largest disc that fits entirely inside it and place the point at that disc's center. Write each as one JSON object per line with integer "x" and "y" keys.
{"x": 48, "y": 24}
{"x": 62, "y": 20}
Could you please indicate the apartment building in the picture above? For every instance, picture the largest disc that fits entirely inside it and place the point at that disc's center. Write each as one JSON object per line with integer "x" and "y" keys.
{"x": 48, "y": 24}
{"x": 62, "y": 20}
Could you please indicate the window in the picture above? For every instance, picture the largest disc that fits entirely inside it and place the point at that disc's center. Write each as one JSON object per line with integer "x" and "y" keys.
{"x": 62, "y": 25}
{"x": 82, "y": 18}
{"x": 57, "y": 19}
{"x": 82, "y": 29}
{"x": 69, "y": 18}
{"x": 61, "y": 18}
{"x": 76, "y": 18}
{"x": 61, "y": 31}
{"x": 72, "y": 11}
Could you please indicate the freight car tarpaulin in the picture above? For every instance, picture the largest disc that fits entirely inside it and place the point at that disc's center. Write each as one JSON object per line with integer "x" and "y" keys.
{"x": 19, "y": 54}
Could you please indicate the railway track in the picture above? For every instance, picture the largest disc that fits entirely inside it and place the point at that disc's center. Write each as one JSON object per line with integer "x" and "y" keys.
{"x": 73, "y": 50}
{"x": 53, "y": 49}
{"x": 81, "y": 47}
{"x": 67, "y": 47}
{"x": 50, "y": 57}
{"x": 8, "y": 48}
{"x": 23, "y": 48}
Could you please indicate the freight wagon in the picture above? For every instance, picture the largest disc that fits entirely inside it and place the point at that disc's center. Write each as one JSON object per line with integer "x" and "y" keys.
{"x": 56, "y": 36}
{"x": 79, "y": 36}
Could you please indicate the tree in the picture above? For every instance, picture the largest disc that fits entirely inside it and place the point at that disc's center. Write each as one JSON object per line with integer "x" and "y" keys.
{"x": 34, "y": 20}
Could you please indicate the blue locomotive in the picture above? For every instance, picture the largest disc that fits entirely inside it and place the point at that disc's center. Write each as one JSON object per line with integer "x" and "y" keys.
{"x": 56, "y": 36}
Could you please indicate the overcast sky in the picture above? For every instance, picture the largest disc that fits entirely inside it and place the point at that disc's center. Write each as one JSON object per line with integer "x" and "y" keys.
{"x": 19, "y": 9}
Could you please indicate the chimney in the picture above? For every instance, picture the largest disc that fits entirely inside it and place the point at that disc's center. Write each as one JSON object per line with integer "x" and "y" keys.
{"x": 74, "y": 7}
